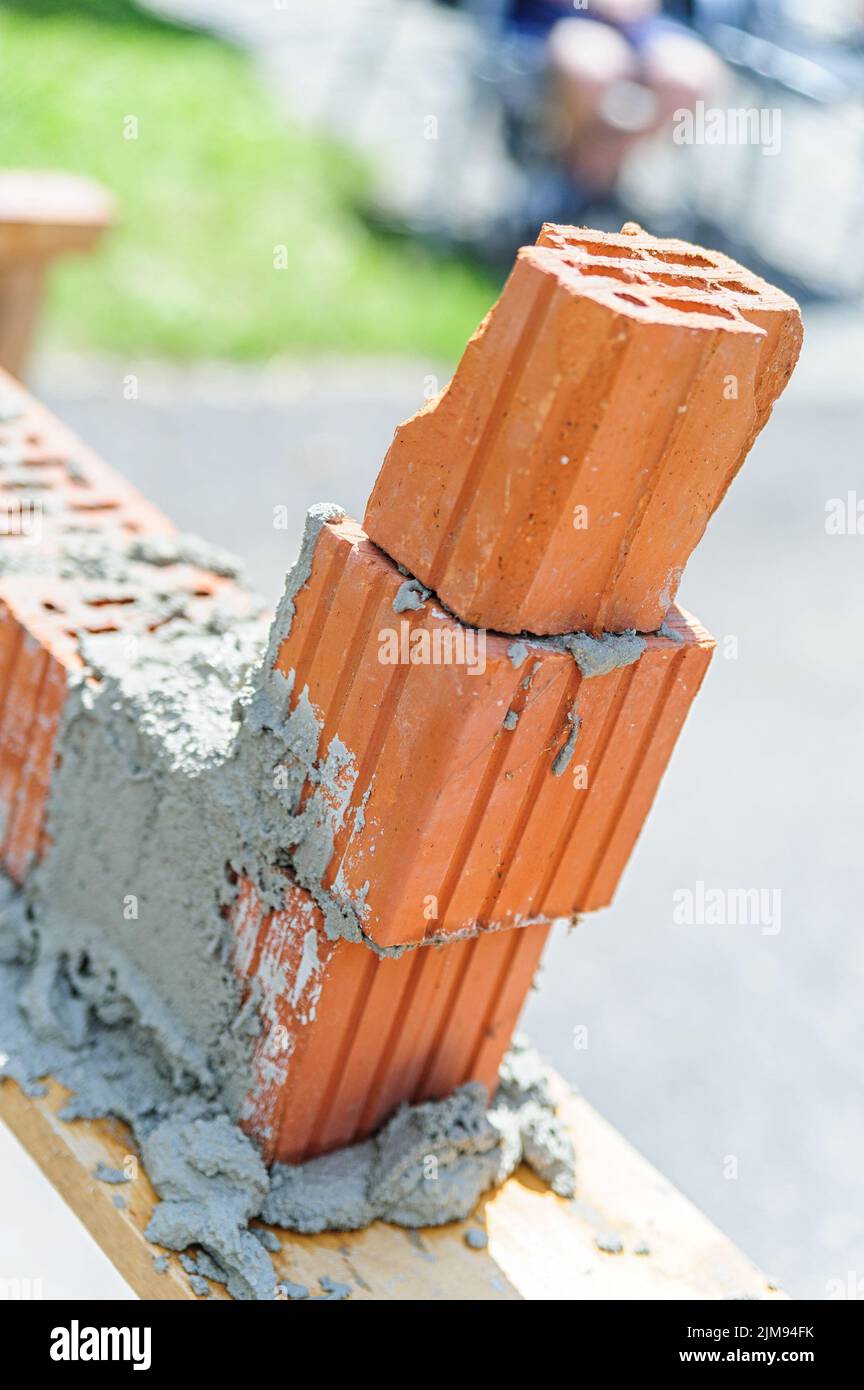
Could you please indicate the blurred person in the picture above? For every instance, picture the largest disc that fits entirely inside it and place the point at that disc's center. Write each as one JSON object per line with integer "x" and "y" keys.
{"x": 618, "y": 73}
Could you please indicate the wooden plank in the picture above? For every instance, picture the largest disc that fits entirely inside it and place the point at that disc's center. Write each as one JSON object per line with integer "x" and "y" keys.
{"x": 540, "y": 1247}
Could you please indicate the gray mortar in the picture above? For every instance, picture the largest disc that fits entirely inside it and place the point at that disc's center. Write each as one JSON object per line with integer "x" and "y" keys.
{"x": 671, "y": 633}
{"x": 209, "y": 1267}
{"x": 524, "y": 1097}
{"x": 410, "y": 595}
{"x": 109, "y": 1175}
{"x": 211, "y": 1181}
{"x": 597, "y": 656}
{"x": 267, "y": 1238}
{"x": 181, "y": 757}
{"x": 334, "y": 1292}
{"x": 511, "y": 719}
{"x": 298, "y": 578}
{"x": 293, "y": 1291}
{"x": 147, "y": 808}
{"x": 565, "y": 753}
{"x": 431, "y": 1162}
{"x": 385, "y": 1177}
{"x": 186, "y": 550}
{"x": 209, "y": 1175}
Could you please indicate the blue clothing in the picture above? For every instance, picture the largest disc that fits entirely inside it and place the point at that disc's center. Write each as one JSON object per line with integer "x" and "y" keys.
{"x": 537, "y": 17}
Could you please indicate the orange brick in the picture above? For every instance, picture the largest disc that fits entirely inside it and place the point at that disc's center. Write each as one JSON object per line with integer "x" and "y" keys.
{"x": 16, "y": 720}
{"x": 47, "y": 609}
{"x": 44, "y": 462}
{"x": 348, "y": 1036}
{"x": 595, "y": 421}
{"x": 21, "y": 845}
{"x": 456, "y": 822}
{"x": 42, "y": 621}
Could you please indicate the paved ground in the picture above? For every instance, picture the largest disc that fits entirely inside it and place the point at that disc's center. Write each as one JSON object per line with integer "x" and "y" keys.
{"x": 717, "y": 1050}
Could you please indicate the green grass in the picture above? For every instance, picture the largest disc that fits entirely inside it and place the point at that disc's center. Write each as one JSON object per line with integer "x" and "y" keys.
{"x": 213, "y": 183}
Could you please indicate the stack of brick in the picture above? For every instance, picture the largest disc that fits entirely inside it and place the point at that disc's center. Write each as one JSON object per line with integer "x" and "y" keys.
{"x": 559, "y": 483}
{"x": 502, "y": 768}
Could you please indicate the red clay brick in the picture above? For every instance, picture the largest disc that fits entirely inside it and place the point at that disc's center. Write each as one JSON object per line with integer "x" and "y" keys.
{"x": 349, "y": 1035}
{"x": 77, "y": 488}
{"x": 42, "y": 619}
{"x": 600, "y": 380}
{"x": 464, "y": 823}
{"x": 16, "y": 720}
{"x": 44, "y": 615}
{"x": 21, "y": 845}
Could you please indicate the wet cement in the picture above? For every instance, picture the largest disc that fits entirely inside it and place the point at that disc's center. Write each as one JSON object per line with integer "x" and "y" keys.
{"x": 432, "y": 1162}
{"x": 183, "y": 754}
{"x": 427, "y": 1166}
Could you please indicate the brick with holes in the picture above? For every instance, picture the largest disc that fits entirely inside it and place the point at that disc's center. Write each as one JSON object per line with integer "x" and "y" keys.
{"x": 69, "y": 526}
{"x": 598, "y": 415}
{"x": 55, "y": 491}
{"x": 488, "y": 782}
{"x": 349, "y": 1035}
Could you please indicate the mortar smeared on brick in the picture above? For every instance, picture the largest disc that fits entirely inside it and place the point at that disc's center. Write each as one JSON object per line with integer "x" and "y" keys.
{"x": 209, "y": 1174}
{"x": 410, "y": 595}
{"x": 186, "y": 549}
{"x": 595, "y": 656}
{"x": 565, "y": 753}
{"x": 432, "y": 1162}
{"x": 160, "y": 787}
{"x": 181, "y": 767}
{"x": 166, "y": 791}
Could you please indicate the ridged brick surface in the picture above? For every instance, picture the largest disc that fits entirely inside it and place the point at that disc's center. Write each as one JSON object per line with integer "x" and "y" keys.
{"x": 33, "y": 689}
{"x": 456, "y": 822}
{"x": 44, "y": 463}
{"x": 348, "y": 1036}
{"x": 598, "y": 415}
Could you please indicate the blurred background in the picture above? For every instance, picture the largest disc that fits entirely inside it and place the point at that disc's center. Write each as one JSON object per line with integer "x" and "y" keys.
{"x": 314, "y": 205}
